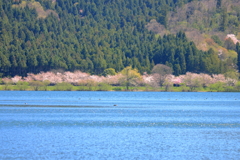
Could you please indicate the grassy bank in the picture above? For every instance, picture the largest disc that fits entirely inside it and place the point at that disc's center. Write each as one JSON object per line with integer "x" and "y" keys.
{"x": 106, "y": 87}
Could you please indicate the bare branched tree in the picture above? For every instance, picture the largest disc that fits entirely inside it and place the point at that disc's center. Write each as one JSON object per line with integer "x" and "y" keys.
{"x": 160, "y": 73}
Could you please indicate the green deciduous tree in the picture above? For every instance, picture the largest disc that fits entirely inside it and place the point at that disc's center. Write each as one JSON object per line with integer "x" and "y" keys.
{"x": 131, "y": 77}
{"x": 109, "y": 71}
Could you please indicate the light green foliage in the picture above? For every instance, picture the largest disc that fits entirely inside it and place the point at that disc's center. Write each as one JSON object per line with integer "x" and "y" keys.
{"x": 232, "y": 75}
{"x": 91, "y": 85}
{"x": 184, "y": 88}
{"x": 168, "y": 86}
{"x": 104, "y": 87}
{"x": 36, "y": 85}
{"x": 109, "y": 71}
{"x": 238, "y": 86}
{"x": 46, "y": 82}
{"x": 217, "y": 87}
{"x": 64, "y": 86}
{"x": 131, "y": 77}
{"x": 117, "y": 88}
{"x": 7, "y": 87}
{"x": 22, "y": 86}
{"x": 196, "y": 83}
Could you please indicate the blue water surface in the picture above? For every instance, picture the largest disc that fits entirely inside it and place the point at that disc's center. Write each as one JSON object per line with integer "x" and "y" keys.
{"x": 119, "y": 125}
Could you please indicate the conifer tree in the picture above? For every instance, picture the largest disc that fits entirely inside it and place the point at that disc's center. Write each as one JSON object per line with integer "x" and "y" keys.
{"x": 190, "y": 59}
{"x": 224, "y": 20}
{"x": 95, "y": 35}
{"x": 238, "y": 56}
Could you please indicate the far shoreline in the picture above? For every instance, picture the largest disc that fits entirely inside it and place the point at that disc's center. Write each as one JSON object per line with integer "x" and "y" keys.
{"x": 117, "y": 88}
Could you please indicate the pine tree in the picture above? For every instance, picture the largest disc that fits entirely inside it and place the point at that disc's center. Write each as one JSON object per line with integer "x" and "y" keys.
{"x": 95, "y": 35}
{"x": 4, "y": 63}
{"x": 177, "y": 69}
{"x": 190, "y": 59}
{"x": 182, "y": 62}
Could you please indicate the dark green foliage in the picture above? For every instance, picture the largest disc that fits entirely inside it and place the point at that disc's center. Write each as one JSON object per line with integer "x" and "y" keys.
{"x": 219, "y": 3}
{"x": 224, "y": 22}
{"x": 92, "y": 36}
{"x": 229, "y": 44}
{"x": 238, "y": 56}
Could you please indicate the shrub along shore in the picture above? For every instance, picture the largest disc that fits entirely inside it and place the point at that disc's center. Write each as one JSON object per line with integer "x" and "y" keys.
{"x": 218, "y": 87}
{"x": 41, "y": 86}
{"x": 129, "y": 79}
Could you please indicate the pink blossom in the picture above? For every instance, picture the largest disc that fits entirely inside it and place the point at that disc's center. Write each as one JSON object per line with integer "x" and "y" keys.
{"x": 176, "y": 80}
{"x": 219, "y": 78}
{"x": 16, "y": 78}
{"x": 78, "y": 77}
{"x": 233, "y": 38}
{"x": 148, "y": 78}
{"x": 113, "y": 79}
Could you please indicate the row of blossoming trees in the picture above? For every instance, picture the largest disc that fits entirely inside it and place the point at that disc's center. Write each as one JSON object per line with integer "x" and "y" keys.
{"x": 160, "y": 78}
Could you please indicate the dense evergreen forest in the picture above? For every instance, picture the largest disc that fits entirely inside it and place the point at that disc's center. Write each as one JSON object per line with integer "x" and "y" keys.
{"x": 93, "y": 35}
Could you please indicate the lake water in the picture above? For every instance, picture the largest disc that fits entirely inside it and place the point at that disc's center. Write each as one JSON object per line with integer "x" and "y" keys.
{"x": 119, "y": 125}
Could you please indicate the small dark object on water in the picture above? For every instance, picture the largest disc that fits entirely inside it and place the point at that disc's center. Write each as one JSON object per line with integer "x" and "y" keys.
{"x": 114, "y": 105}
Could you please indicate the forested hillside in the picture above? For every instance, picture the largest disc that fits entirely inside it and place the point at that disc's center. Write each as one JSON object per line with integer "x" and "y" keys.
{"x": 93, "y": 35}
{"x": 205, "y": 20}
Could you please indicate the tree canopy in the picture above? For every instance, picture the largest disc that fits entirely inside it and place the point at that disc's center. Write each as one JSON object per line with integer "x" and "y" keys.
{"x": 131, "y": 77}
{"x": 93, "y": 36}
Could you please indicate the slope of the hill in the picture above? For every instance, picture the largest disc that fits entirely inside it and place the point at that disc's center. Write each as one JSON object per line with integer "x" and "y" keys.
{"x": 92, "y": 36}
{"x": 207, "y": 23}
